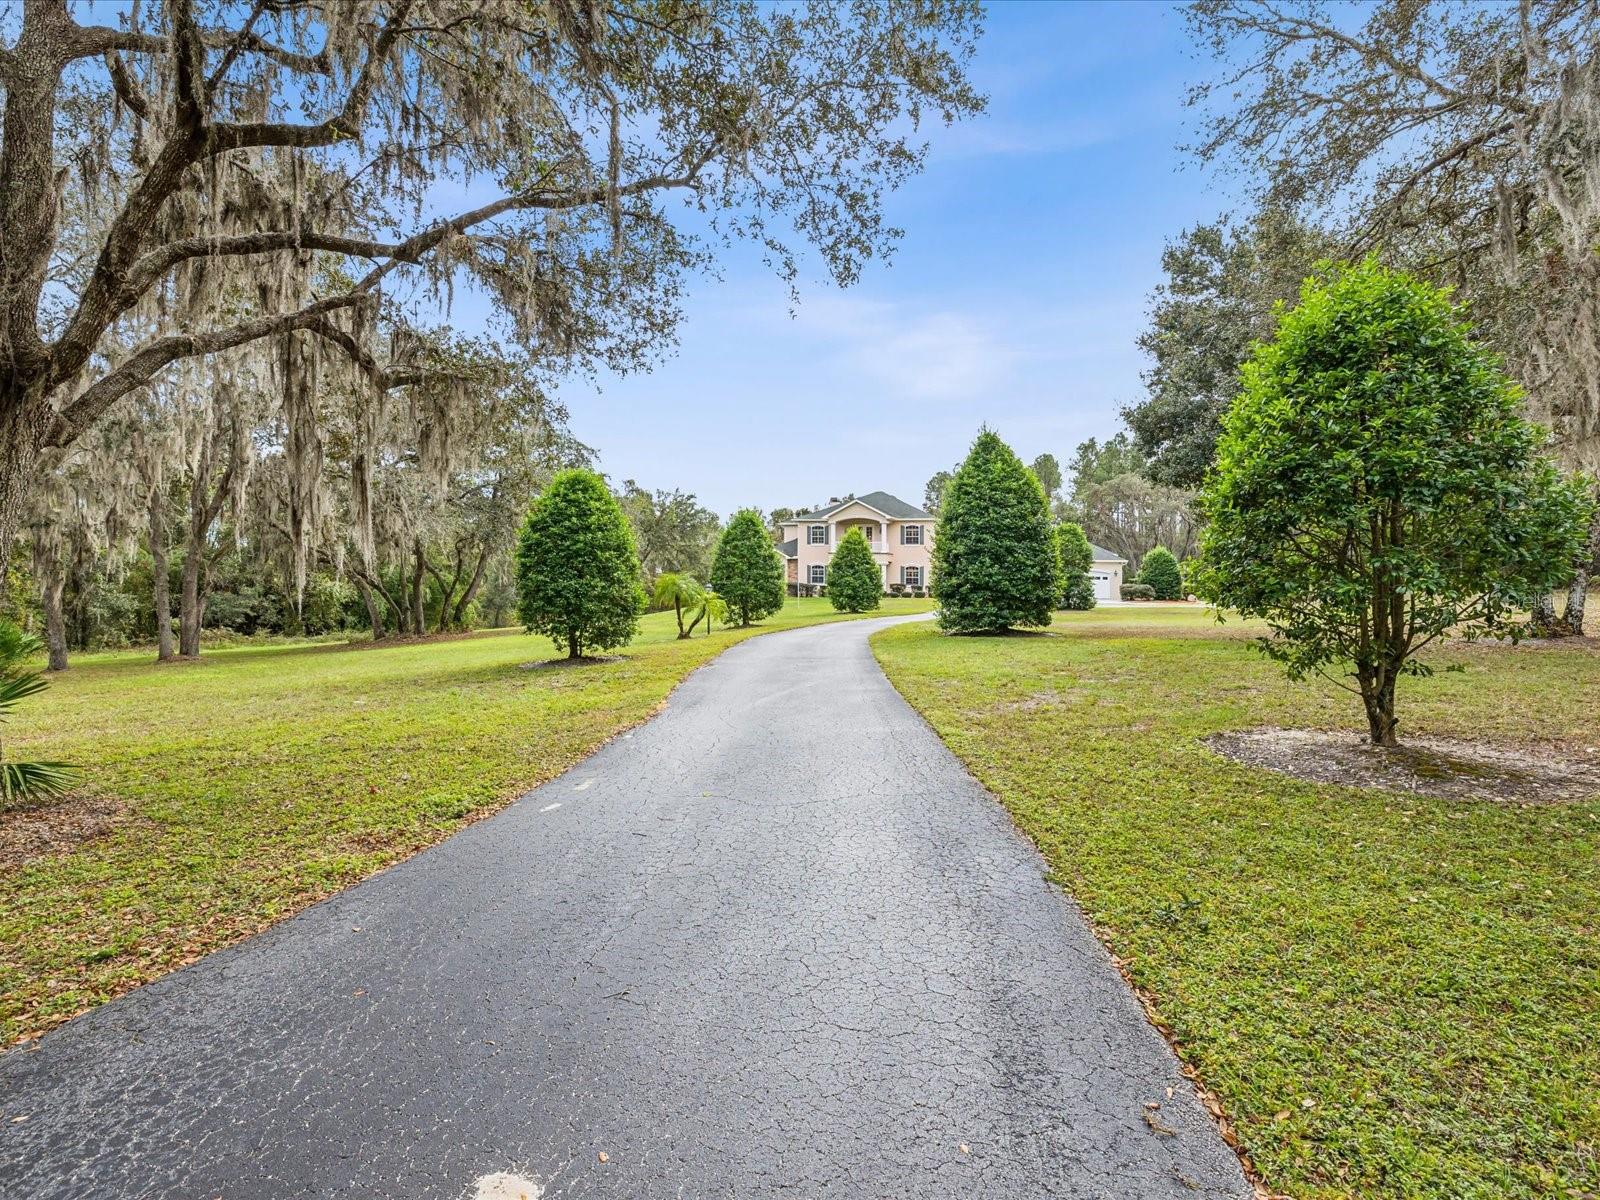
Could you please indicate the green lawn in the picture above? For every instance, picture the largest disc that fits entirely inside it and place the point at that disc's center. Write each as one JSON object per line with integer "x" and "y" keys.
{"x": 1392, "y": 996}
{"x": 260, "y": 779}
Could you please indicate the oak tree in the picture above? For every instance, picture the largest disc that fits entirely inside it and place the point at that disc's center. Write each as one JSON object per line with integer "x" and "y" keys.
{"x": 205, "y": 175}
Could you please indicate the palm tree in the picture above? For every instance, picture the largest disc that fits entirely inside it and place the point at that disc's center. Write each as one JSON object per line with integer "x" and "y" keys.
{"x": 25, "y": 780}
{"x": 711, "y": 605}
{"x": 680, "y": 591}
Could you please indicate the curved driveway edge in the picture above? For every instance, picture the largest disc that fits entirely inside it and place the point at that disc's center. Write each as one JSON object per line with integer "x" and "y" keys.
{"x": 776, "y": 941}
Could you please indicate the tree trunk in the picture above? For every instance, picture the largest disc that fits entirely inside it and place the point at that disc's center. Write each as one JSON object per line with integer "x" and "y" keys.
{"x": 29, "y": 211}
{"x": 467, "y": 596}
{"x": 419, "y": 611}
{"x": 1377, "y": 695}
{"x": 191, "y": 614}
{"x": 572, "y": 645}
{"x": 1577, "y": 593}
{"x": 52, "y": 584}
{"x": 161, "y": 573}
{"x": 374, "y": 609}
{"x": 21, "y": 441}
{"x": 1543, "y": 615}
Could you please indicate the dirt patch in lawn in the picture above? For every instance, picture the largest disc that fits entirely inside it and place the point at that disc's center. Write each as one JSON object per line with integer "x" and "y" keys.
{"x": 562, "y": 664}
{"x": 1448, "y": 768}
{"x": 55, "y": 826}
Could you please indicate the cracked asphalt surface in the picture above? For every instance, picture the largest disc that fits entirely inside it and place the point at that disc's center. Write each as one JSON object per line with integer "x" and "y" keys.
{"x": 774, "y": 942}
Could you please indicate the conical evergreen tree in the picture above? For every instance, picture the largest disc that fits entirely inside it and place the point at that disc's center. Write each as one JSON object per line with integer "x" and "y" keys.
{"x": 994, "y": 558}
{"x": 747, "y": 571}
{"x": 855, "y": 584}
{"x": 577, "y": 569}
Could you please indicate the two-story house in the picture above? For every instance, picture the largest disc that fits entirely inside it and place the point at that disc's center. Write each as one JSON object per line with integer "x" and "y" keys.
{"x": 901, "y": 537}
{"x": 900, "y": 534}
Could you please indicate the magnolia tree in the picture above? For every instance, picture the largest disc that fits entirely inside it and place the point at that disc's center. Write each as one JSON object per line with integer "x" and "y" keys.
{"x": 203, "y": 175}
{"x": 1375, "y": 489}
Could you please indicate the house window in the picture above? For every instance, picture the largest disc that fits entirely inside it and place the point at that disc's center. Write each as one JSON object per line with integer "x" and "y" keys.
{"x": 818, "y": 573}
{"x": 911, "y": 535}
{"x": 817, "y": 535}
{"x": 911, "y": 576}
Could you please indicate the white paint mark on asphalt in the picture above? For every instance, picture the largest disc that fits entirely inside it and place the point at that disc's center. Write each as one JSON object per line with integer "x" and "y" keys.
{"x": 551, "y": 807}
{"x": 503, "y": 1185}
{"x": 587, "y": 783}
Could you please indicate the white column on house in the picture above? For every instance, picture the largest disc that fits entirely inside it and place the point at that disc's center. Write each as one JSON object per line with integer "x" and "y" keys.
{"x": 833, "y": 535}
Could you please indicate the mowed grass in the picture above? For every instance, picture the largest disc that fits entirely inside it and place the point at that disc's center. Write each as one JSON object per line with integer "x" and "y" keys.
{"x": 260, "y": 779}
{"x": 1392, "y": 996}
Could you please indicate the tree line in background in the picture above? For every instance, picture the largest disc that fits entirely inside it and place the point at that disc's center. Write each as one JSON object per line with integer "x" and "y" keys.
{"x": 220, "y": 390}
{"x": 1108, "y": 492}
{"x": 217, "y": 560}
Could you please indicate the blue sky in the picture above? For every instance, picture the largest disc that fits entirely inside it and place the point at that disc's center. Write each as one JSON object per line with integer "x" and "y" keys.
{"x": 1032, "y": 242}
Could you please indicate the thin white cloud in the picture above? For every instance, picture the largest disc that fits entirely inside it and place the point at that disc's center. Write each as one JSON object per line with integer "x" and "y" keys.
{"x": 938, "y": 356}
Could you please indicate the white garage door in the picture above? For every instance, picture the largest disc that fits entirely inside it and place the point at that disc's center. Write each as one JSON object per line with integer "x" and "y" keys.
{"x": 1102, "y": 585}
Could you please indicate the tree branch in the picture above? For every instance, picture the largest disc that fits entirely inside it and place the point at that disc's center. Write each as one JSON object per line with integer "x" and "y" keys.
{"x": 126, "y": 87}
{"x": 135, "y": 371}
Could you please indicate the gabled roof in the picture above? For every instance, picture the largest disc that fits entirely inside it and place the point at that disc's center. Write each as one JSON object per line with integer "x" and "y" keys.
{"x": 1101, "y": 554}
{"x": 892, "y": 507}
{"x": 789, "y": 549}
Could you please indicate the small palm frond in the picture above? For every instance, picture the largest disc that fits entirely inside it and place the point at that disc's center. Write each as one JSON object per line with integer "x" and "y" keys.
{"x": 672, "y": 588}
{"x": 17, "y": 688}
{"x": 33, "y": 780}
{"x": 16, "y": 646}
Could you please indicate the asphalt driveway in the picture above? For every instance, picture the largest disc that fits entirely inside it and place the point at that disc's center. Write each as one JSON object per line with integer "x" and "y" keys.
{"x": 775, "y": 942}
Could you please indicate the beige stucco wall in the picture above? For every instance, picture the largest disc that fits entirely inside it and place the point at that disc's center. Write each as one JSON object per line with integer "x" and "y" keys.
{"x": 881, "y": 532}
{"x": 1113, "y": 569}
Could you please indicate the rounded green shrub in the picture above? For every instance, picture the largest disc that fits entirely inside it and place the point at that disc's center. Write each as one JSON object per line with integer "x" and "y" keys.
{"x": 1160, "y": 573}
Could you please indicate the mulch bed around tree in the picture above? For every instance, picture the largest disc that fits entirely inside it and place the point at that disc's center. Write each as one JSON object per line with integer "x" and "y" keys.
{"x": 558, "y": 664}
{"x": 1447, "y": 768}
{"x": 54, "y": 826}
